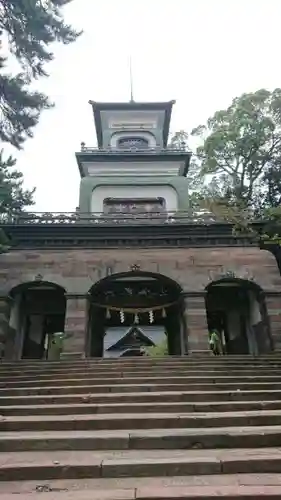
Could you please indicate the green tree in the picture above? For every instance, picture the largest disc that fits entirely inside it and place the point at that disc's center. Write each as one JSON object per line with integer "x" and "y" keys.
{"x": 159, "y": 350}
{"x": 240, "y": 151}
{"x": 180, "y": 140}
{"x": 20, "y": 108}
{"x": 13, "y": 198}
{"x": 29, "y": 27}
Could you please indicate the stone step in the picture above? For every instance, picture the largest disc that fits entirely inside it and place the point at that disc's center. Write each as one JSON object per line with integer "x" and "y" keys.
{"x": 163, "y": 493}
{"x": 144, "y": 397}
{"x": 70, "y": 373}
{"x": 132, "y": 386}
{"x": 195, "y": 373}
{"x": 136, "y": 419}
{"x": 60, "y": 366}
{"x": 145, "y": 359}
{"x": 164, "y": 439}
{"x": 149, "y": 362}
{"x": 152, "y": 407}
{"x": 134, "y": 380}
{"x": 112, "y": 488}
{"x": 139, "y": 421}
{"x": 159, "y": 492}
{"x": 143, "y": 463}
{"x": 185, "y": 372}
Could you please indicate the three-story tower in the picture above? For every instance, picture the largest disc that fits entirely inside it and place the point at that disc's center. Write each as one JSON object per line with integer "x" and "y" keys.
{"x": 133, "y": 170}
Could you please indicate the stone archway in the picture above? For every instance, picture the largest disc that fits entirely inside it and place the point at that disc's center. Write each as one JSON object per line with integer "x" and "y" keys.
{"x": 149, "y": 301}
{"x": 236, "y": 308}
{"x": 37, "y": 310}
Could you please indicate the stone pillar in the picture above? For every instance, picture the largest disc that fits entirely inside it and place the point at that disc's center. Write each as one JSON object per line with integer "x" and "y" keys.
{"x": 173, "y": 330}
{"x": 96, "y": 332}
{"x": 273, "y": 306}
{"x": 76, "y": 318}
{"x": 5, "y": 308}
{"x": 184, "y": 327}
{"x": 196, "y": 327}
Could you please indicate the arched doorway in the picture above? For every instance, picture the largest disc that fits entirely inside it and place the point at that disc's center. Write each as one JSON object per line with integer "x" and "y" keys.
{"x": 38, "y": 310}
{"x": 237, "y": 309}
{"x": 129, "y": 311}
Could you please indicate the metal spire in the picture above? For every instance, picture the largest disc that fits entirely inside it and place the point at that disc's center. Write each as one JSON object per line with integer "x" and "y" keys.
{"x": 131, "y": 80}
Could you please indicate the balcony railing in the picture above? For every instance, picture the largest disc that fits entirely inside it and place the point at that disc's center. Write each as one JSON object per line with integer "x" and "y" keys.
{"x": 115, "y": 219}
{"x": 129, "y": 151}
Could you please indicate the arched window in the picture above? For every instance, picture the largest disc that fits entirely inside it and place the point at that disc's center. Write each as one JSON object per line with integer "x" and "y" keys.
{"x": 133, "y": 142}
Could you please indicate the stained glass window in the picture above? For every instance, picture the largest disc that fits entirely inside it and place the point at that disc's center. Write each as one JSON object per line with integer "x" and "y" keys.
{"x": 133, "y": 142}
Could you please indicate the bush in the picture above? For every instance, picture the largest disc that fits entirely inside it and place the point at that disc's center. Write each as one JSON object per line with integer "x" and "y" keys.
{"x": 158, "y": 350}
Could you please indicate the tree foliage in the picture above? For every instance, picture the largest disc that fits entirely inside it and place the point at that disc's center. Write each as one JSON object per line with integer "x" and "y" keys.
{"x": 240, "y": 151}
{"x": 29, "y": 27}
{"x": 180, "y": 141}
{"x": 13, "y": 198}
{"x": 157, "y": 351}
{"x": 20, "y": 108}
{"x": 236, "y": 168}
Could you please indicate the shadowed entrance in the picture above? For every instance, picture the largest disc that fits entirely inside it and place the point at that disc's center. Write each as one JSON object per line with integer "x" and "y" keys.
{"x": 130, "y": 311}
{"x": 237, "y": 309}
{"x": 38, "y": 309}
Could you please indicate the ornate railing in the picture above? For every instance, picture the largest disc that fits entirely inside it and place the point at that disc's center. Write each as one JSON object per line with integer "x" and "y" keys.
{"x": 97, "y": 219}
{"x": 123, "y": 151}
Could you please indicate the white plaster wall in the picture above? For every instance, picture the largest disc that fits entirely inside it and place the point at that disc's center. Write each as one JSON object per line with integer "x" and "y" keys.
{"x": 101, "y": 192}
{"x": 131, "y": 118}
{"x": 133, "y": 168}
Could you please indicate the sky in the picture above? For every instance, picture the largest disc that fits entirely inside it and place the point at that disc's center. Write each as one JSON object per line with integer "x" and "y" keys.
{"x": 202, "y": 53}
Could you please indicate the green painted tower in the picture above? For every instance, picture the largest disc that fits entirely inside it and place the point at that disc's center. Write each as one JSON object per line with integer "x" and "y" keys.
{"x": 133, "y": 170}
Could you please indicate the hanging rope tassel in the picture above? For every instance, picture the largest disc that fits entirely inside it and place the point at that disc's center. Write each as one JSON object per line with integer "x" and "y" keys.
{"x": 108, "y": 314}
{"x": 122, "y": 316}
{"x": 164, "y": 314}
{"x": 136, "y": 319}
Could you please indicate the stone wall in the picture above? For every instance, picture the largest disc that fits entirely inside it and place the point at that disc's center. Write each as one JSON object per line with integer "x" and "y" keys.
{"x": 4, "y": 324}
{"x": 196, "y": 323}
{"x": 77, "y": 270}
{"x": 75, "y": 326}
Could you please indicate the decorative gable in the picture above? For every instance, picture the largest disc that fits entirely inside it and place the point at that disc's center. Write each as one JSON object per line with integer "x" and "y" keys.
{"x": 134, "y": 337}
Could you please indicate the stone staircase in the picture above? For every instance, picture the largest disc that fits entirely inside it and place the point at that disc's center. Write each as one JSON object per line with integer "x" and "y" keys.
{"x": 141, "y": 428}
